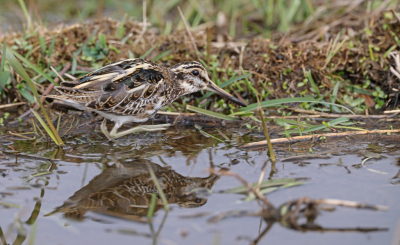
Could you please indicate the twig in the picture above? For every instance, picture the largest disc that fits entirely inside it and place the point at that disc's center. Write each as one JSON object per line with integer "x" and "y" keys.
{"x": 70, "y": 76}
{"x": 175, "y": 113}
{"x": 12, "y": 104}
{"x": 19, "y": 135}
{"x": 308, "y": 137}
{"x": 330, "y": 115}
{"x": 241, "y": 57}
{"x": 294, "y": 117}
{"x": 144, "y": 24}
{"x": 391, "y": 111}
{"x": 227, "y": 44}
{"x": 58, "y": 75}
{"x": 188, "y": 30}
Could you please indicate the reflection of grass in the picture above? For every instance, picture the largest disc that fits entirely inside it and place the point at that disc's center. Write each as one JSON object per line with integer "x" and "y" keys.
{"x": 152, "y": 206}
{"x": 159, "y": 189}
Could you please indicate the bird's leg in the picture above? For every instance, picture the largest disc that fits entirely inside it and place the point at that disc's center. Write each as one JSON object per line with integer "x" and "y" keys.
{"x": 142, "y": 128}
{"x": 104, "y": 129}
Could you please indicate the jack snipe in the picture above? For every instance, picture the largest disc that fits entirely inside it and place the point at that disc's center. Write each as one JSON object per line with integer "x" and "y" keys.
{"x": 134, "y": 90}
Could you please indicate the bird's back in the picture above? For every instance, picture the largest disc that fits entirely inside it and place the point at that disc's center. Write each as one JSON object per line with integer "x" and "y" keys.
{"x": 136, "y": 88}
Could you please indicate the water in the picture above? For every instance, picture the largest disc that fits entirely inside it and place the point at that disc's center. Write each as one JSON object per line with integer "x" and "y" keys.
{"x": 184, "y": 156}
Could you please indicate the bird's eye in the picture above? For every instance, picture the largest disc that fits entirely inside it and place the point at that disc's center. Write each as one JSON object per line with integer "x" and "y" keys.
{"x": 195, "y": 73}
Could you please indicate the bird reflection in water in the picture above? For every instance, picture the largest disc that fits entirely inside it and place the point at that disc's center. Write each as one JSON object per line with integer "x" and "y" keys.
{"x": 125, "y": 190}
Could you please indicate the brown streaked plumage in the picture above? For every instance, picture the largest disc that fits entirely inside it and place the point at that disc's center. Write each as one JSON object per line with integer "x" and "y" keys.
{"x": 125, "y": 190}
{"x": 134, "y": 90}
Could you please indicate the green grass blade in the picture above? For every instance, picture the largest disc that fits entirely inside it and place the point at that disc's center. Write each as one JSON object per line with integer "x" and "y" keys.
{"x": 294, "y": 7}
{"x": 48, "y": 130}
{"x": 287, "y": 122}
{"x": 152, "y": 206}
{"x": 161, "y": 55}
{"x": 42, "y": 45}
{"x": 209, "y": 135}
{"x": 20, "y": 70}
{"x": 230, "y": 81}
{"x": 335, "y": 49}
{"x": 121, "y": 29}
{"x": 386, "y": 54}
{"x": 27, "y": 16}
{"x": 319, "y": 127}
{"x": 51, "y": 48}
{"x": 53, "y": 42}
{"x": 289, "y": 100}
{"x": 3, "y": 57}
{"x": 333, "y": 97}
{"x": 148, "y": 52}
{"x": 313, "y": 85}
{"x": 211, "y": 113}
{"x": 74, "y": 64}
{"x": 32, "y": 66}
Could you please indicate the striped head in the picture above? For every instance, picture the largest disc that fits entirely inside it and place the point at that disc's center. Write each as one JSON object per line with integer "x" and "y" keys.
{"x": 191, "y": 76}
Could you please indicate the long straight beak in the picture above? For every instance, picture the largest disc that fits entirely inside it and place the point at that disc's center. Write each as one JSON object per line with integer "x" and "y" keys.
{"x": 214, "y": 88}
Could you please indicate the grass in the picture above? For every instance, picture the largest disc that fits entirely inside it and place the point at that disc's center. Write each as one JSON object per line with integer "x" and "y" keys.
{"x": 319, "y": 127}
{"x": 32, "y": 66}
{"x": 51, "y": 131}
{"x": 121, "y": 29}
{"x": 27, "y": 16}
{"x": 266, "y": 134}
{"x": 148, "y": 52}
{"x": 335, "y": 49}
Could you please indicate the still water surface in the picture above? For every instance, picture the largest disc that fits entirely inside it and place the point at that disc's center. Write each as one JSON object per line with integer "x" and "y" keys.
{"x": 111, "y": 174}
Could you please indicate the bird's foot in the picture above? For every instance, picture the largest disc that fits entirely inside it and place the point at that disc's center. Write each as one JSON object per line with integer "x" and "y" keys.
{"x": 142, "y": 128}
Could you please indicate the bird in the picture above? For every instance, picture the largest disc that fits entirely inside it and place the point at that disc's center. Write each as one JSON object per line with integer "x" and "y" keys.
{"x": 133, "y": 90}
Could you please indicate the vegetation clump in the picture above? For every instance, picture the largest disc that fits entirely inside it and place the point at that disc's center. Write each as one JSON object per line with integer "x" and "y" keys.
{"x": 342, "y": 56}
